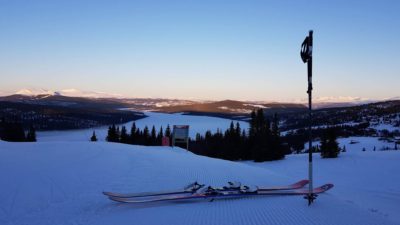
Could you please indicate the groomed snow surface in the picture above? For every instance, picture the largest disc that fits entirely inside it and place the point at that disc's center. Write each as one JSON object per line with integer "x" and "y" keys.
{"x": 62, "y": 183}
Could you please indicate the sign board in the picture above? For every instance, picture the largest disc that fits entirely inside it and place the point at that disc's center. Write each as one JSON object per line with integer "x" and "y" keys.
{"x": 180, "y": 134}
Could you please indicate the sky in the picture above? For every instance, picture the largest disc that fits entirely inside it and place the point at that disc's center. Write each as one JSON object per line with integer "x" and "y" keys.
{"x": 243, "y": 50}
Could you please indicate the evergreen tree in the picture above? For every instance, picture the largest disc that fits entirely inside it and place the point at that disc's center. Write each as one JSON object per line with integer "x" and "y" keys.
{"x": 329, "y": 145}
{"x": 238, "y": 129}
{"x": 132, "y": 136}
{"x": 124, "y": 137}
{"x": 112, "y": 134}
{"x": 13, "y": 131}
{"x": 168, "y": 134}
{"x": 146, "y": 136}
{"x": 324, "y": 143}
{"x": 153, "y": 137}
{"x": 118, "y": 134}
{"x": 168, "y": 131}
{"x": 138, "y": 137}
{"x": 31, "y": 135}
{"x": 262, "y": 138}
{"x": 277, "y": 150}
{"x": 252, "y": 124}
{"x": 109, "y": 134}
{"x": 160, "y": 135}
{"x": 93, "y": 138}
{"x": 275, "y": 126}
{"x": 198, "y": 137}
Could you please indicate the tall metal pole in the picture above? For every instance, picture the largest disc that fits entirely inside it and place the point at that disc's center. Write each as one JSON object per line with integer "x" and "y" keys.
{"x": 306, "y": 55}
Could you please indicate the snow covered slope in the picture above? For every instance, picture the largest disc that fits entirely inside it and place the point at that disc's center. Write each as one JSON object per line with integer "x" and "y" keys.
{"x": 61, "y": 183}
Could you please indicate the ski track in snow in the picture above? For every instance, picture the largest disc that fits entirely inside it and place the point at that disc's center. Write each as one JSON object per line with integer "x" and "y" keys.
{"x": 62, "y": 183}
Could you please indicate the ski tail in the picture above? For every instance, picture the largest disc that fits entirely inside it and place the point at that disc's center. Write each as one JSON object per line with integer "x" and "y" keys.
{"x": 317, "y": 190}
{"x": 296, "y": 185}
{"x": 141, "y": 194}
{"x": 191, "y": 188}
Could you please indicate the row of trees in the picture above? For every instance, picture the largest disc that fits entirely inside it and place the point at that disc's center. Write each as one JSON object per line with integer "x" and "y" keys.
{"x": 137, "y": 136}
{"x": 14, "y": 131}
{"x": 261, "y": 143}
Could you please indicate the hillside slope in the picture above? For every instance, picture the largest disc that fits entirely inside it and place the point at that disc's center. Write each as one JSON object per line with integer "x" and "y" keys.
{"x": 61, "y": 183}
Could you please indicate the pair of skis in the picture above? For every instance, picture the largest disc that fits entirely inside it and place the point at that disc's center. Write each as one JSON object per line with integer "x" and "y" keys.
{"x": 198, "y": 191}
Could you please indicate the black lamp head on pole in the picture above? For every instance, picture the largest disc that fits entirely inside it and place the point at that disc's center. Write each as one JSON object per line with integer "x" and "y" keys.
{"x": 306, "y": 48}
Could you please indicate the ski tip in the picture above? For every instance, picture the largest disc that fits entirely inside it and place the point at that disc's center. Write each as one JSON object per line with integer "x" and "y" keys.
{"x": 327, "y": 186}
{"x": 323, "y": 188}
{"x": 302, "y": 182}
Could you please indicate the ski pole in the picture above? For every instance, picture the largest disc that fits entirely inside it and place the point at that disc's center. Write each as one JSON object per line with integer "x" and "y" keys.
{"x": 306, "y": 56}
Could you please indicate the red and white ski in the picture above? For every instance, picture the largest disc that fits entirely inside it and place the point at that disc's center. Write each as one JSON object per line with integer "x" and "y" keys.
{"x": 194, "y": 187}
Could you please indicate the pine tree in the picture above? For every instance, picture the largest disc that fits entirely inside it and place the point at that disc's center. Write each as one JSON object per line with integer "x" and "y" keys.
{"x": 168, "y": 131}
{"x": 132, "y": 136}
{"x": 31, "y": 135}
{"x": 252, "y": 124}
{"x": 138, "y": 137}
{"x": 109, "y": 134}
{"x": 112, "y": 134}
{"x": 198, "y": 137}
{"x": 160, "y": 135}
{"x": 124, "y": 137}
{"x": 117, "y": 135}
{"x": 168, "y": 134}
{"x": 146, "y": 136}
{"x": 277, "y": 151}
{"x": 13, "y": 131}
{"x": 93, "y": 138}
{"x": 153, "y": 137}
{"x": 330, "y": 149}
{"x": 275, "y": 126}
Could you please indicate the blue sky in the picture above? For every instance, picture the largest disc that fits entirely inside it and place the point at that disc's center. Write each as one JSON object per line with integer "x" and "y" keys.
{"x": 247, "y": 50}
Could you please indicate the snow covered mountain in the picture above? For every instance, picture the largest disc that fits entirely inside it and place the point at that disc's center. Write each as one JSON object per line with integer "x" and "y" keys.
{"x": 174, "y": 104}
{"x": 340, "y": 101}
{"x": 72, "y": 92}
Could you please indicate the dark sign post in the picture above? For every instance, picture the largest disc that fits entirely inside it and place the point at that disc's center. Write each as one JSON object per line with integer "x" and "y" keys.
{"x": 180, "y": 134}
{"x": 306, "y": 56}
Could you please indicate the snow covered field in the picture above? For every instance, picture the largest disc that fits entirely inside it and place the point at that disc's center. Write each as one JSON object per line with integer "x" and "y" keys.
{"x": 198, "y": 124}
{"x": 61, "y": 183}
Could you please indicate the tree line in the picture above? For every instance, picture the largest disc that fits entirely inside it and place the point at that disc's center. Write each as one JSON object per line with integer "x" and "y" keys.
{"x": 262, "y": 142}
{"x": 14, "y": 131}
{"x": 137, "y": 136}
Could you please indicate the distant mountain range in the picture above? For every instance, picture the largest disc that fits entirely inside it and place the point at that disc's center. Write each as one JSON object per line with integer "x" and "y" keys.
{"x": 148, "y": 104}
{"x": 173, "y": 105}
{"x": 53, "y": 110}
{"x": 66, "y": 92}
